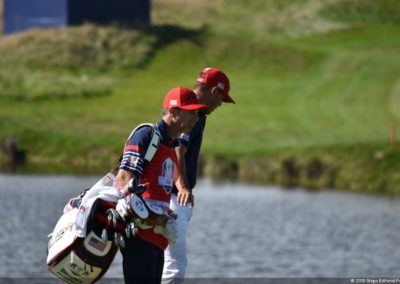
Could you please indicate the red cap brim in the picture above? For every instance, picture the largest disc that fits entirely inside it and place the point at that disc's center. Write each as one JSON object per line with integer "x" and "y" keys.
{"x": 193, "y": 106}
{"x": 227, "y": 98}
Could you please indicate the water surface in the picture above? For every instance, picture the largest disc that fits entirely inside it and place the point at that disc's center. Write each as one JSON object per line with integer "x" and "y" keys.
{"x": 237, "y": 230}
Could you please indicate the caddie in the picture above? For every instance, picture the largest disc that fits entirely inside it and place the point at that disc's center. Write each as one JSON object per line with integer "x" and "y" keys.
{"x": 143, "y": 255}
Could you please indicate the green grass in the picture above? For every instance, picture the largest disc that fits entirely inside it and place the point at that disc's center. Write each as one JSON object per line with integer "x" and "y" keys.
{"x": 364, "y": 11}
{"x": 304, "y": 86}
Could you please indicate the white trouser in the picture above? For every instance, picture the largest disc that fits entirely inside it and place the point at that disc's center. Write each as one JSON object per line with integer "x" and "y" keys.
{"x": 175, "y": 254}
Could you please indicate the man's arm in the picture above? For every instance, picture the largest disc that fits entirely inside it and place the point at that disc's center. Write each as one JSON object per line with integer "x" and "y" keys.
{"x": 132, "y": 162}
{"x": 123, "y": 178}
{"x": 184, "y": 192}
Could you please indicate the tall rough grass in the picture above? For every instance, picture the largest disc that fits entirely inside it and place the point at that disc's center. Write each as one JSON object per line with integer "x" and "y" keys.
{"x": 364, "y": 11}
{"x": 69, "y": 62}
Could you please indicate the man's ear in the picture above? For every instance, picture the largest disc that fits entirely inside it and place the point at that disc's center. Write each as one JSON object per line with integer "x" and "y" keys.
{"x": 214, "y": 90}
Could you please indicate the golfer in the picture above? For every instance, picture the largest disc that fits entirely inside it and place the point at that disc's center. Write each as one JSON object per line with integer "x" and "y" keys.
{"x": 212, "y": 88}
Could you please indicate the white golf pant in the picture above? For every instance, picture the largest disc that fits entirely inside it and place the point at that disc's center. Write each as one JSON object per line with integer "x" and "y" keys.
{"x": 175, "y": 254}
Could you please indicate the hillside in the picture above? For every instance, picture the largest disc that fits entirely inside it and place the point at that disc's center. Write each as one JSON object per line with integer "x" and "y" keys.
{"x": 316, "y": 85}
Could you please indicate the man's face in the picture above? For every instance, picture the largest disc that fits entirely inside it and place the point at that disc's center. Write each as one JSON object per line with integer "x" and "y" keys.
{"x": 186, "y": 119}
{"x": 212, "y": 99}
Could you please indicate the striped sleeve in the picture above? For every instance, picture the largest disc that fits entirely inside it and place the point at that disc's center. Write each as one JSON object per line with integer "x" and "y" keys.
{"x": 135, "y": 149}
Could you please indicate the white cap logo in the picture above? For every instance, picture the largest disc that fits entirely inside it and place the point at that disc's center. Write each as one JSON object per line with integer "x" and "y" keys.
{"x": 173, "y": 102}
{"x": 221, "y": 85}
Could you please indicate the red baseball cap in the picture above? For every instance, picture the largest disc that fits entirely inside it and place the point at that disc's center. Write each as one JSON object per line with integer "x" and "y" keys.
{"x": 182, "y": 98}
{"x": 214, "y": 77}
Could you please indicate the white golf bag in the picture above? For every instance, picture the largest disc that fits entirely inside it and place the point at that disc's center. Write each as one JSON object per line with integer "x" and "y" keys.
{"x": 76, "y": 252}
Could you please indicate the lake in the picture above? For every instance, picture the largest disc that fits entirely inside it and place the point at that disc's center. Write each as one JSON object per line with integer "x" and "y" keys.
{"x": 237, "y": 231}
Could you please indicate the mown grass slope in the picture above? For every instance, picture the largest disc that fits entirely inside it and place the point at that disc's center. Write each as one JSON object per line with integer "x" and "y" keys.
{"x": 314, "y": 81}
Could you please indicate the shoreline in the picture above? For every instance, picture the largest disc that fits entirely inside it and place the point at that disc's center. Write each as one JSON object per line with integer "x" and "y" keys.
{"x": 371, "y": 169}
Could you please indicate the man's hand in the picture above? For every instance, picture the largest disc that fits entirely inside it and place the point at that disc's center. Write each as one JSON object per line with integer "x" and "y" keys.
{"x": 184, "y": 197}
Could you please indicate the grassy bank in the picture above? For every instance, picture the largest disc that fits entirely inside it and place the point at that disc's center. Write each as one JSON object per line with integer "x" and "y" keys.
{"x": 362, "y": 168}
{"x": 316, "y": 85}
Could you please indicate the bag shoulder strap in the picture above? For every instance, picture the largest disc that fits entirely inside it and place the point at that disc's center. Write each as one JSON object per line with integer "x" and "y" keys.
{"x": 154, "y": 142}
{"x": 151, "y": 149}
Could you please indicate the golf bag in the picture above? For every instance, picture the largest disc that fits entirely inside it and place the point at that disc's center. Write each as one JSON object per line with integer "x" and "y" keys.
{"x": 76, "y": 252}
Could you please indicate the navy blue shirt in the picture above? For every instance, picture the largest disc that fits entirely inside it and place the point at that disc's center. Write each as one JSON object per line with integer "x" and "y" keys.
{"x": 192, "y": 140}
{"x": 137, "y": 144}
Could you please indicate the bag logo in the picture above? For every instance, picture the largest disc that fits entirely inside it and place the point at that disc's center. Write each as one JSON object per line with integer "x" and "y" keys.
{"x": 167, "y": 176}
